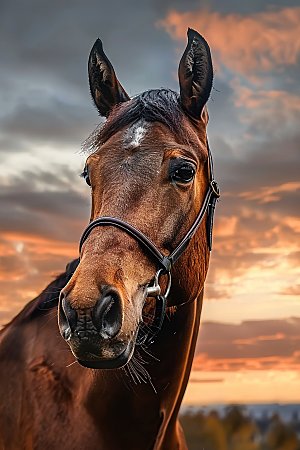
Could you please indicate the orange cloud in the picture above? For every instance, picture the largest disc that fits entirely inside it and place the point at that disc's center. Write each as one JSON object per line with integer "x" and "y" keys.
{"x": 267, "y": 112}
{"x": 272, "y": 193}
{"x": 205, "y": 364}
{"x": 292, "y": 290}
{"x": 41, "y": 245}
{"x": 250, "y": 345}
{"x": 27, "y": 263}
{"x": 255, "y": 340}
{"x": 269, "y": 101}
{"x": 245, "y": 43}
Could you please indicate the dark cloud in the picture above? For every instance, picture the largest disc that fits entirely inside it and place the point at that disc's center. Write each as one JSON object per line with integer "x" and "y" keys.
{"x": 224, "y": 116}
{"x": 224, "y": 7}
{"x": 54, "y": 39}
{"x": 289, "y": 79}
{"x": 249, "y": 7}
{"x": 265, "y": 340}
{"x": 50, "y": 122}
{"x": 44, "y": 49}
{"x": 53, "y": 211}
{"x": 252, "y": 165}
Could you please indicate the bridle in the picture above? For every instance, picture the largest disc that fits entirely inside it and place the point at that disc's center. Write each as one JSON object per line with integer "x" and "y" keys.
{"x": 164, "y": 263}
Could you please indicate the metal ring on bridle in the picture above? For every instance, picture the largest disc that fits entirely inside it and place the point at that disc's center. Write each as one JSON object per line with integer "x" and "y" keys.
{"x": 155, "y": 289}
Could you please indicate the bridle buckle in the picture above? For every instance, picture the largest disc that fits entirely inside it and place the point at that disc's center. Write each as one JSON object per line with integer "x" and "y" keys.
{"x": 155, "y": 289}
{"x": 215, "y": 188}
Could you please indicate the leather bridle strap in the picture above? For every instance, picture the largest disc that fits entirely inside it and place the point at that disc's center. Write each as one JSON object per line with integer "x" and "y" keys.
{"x": 163, "y": 261}
{"x": 166, "y": 262}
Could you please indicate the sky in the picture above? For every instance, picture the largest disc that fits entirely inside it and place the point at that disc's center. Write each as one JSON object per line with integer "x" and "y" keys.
{"x": 249, "y": 342}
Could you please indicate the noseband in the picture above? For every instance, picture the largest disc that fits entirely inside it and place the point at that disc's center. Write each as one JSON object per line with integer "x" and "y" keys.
{"x": 165, "y": 263}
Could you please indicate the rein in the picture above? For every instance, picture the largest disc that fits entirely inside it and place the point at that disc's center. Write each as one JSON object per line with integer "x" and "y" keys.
{"x": 165, "y": 263}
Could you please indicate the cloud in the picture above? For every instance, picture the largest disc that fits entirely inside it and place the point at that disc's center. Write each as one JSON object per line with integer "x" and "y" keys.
{"x": 43, "y": 205}
{"x": 262, "y": 161}
{"x": 247, "y": 44}
{"x": 27, "y": 263}
{"x": 267, "y": 112}
{"x": 51, "y": 121}
{"x": 256, "y": 236}
{"x": 291, "y": 290}
{"x": 255, "y": 345}
{"x": 44, "y": 81}
{"x": 206, "y": 380}
{"x": 202, "y": 363}
{"x": 42, "y": 215}
{"x": 271, "y": 194}
{"x": 56, "y": 41}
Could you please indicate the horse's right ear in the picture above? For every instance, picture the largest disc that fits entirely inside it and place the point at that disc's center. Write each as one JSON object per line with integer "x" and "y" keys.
{"x": 195, "y": 75}
{"x": 104, "y": 85}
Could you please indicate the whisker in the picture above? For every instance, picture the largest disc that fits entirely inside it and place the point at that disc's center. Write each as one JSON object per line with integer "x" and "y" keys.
{"x": 144, "y": 375}
{"x": 145, "y": 349}
{"x": 71, "y": 364}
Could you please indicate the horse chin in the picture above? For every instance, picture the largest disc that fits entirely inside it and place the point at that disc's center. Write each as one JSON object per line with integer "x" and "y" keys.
{"x": 114, "y": 363}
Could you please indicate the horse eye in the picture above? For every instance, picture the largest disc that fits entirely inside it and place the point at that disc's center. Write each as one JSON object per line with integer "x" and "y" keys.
{"x": 183, "y": 172}
{"x": 85, "y": 175}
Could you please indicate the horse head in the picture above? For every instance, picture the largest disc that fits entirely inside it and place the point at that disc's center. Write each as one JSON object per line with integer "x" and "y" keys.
{"x": 149, "y": 169}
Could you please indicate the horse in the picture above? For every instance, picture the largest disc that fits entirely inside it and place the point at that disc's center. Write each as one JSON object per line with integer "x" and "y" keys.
{"x": 112, "y": 374}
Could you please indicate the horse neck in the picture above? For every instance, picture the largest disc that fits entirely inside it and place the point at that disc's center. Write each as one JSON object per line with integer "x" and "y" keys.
{"x": 145, "y": 411}
{"x": 157, "y": 393}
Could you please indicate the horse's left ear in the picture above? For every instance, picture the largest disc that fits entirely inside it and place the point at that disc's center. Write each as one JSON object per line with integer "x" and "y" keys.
{"x": 105, "y": 88}
{"x": 195, "y": 74}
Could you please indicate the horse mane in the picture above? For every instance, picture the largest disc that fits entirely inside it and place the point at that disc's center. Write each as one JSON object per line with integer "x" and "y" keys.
{"x": 161, "y": 105}
{"x": 47, "y": 299}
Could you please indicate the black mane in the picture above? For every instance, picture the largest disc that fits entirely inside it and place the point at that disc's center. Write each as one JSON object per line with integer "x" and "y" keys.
{"x": 161, "y": 105}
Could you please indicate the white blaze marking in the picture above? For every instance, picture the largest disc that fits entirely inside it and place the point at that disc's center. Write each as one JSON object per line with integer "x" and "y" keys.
{"x": 139, "y": 133}
{"x": 136, "y": 134}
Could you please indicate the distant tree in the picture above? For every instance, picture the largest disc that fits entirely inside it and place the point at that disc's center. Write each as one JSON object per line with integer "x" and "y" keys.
{"x": 204, "y": 432}
{"x": 240, "y": 430}
{"x": 236, "y": 431}
{"x": 280, "y": 436}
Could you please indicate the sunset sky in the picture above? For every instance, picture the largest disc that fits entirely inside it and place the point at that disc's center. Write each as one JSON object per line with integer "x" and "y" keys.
{"x": 249, "y": 343}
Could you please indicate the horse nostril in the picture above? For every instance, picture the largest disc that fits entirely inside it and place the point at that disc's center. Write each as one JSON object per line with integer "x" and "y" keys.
{"x": 67, "y": 317}
{"x": 107, "y": 315}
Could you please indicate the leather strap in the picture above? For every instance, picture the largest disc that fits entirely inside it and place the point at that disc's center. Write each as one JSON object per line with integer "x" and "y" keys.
{"x": 163, "y": 261}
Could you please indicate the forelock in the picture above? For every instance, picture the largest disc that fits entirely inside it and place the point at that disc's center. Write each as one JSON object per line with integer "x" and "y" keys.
{"x": 156, "y": 105}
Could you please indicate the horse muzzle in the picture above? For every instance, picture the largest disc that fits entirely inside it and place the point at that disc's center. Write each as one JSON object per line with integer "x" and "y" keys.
{"x": 95, "y": 334}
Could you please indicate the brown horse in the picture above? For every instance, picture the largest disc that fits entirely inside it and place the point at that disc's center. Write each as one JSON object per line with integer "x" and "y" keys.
{"x": 150, "y": 173}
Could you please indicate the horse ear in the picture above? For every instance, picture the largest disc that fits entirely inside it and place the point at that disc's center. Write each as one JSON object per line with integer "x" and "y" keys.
{"x": 104, "y": 85}
{"x": 195, "y": 74}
